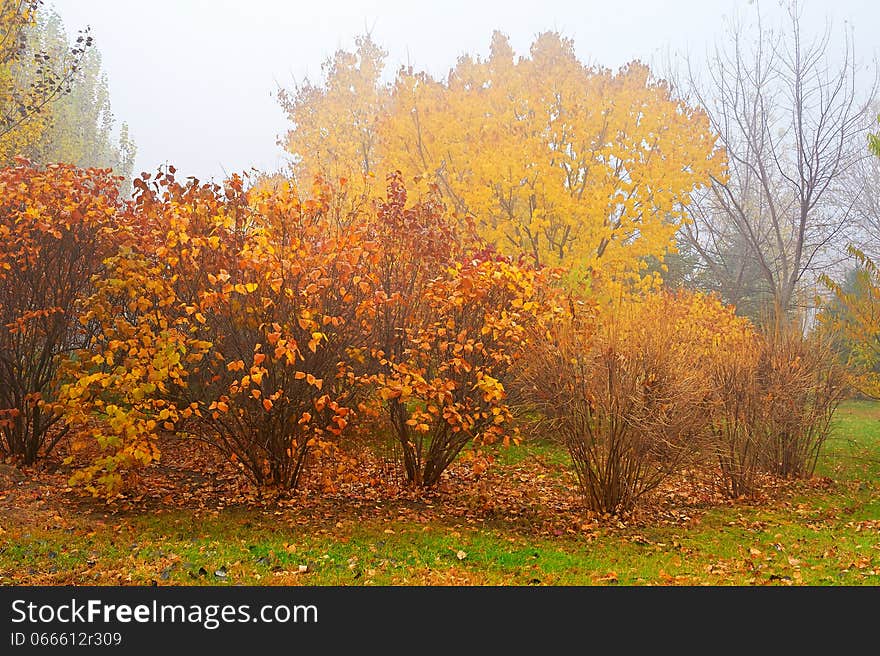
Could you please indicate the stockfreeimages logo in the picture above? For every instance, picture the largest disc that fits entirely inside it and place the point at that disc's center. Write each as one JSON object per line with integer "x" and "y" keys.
{"x": 210, "y": 616}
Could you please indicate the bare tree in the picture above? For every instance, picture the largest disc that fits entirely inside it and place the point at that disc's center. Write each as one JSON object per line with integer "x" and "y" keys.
{"x": 788, "y": 111}
{"x": 863, "y": 183}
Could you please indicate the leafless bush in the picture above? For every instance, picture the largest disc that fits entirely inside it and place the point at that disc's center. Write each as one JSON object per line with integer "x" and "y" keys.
{"x": 737, "y": 421}
{"x": 622, "y": 396}
{"x": 802, "y": 385}
{"x": 774, "y": 396}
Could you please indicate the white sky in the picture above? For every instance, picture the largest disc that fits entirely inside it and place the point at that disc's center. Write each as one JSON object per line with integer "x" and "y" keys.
{"x": 195, "y": 79}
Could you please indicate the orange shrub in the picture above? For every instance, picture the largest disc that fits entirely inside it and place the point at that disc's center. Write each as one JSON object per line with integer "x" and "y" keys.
{"x": 258, "y": 310}
{"x": 450, "y": 321}
{"x": 56, "y": 226}
{"x": 447, "y": 389}
{"x": 285, "y": 323}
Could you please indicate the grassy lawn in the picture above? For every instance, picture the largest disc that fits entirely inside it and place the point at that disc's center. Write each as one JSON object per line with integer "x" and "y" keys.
{"x": 820, "y": 532}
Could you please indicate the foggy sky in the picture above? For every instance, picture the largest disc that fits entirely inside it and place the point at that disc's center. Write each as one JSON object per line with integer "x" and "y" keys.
{"x": 196, "y": 79}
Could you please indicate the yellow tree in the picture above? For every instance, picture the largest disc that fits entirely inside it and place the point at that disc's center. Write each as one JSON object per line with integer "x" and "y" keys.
{"x": 334, "y": 131}
{"x": 30, "y": 79}
{"x": 570, "y": 164}
{"x": 80, "y": 123}
{"x": 853, "y": 316}
{"x": 15, "y": 132}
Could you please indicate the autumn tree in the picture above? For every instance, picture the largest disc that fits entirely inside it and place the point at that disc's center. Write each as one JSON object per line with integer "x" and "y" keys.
{"x": 79, "y": 125}
{"x": 56, "y": 227}
{"x": 792, "y": 120}
{"x": 30, "y": 79}
{"x": 853, "y": 317}
{"x": 335, "y": 124}
{"x": 569, "y": 164}
{"x": 415, "y": 245}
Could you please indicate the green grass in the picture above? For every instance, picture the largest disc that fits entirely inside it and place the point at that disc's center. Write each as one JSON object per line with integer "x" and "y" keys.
{"x": 541, "y": 451}
{"x": 812, "y": 534}
{"x": 853, "y": 450}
